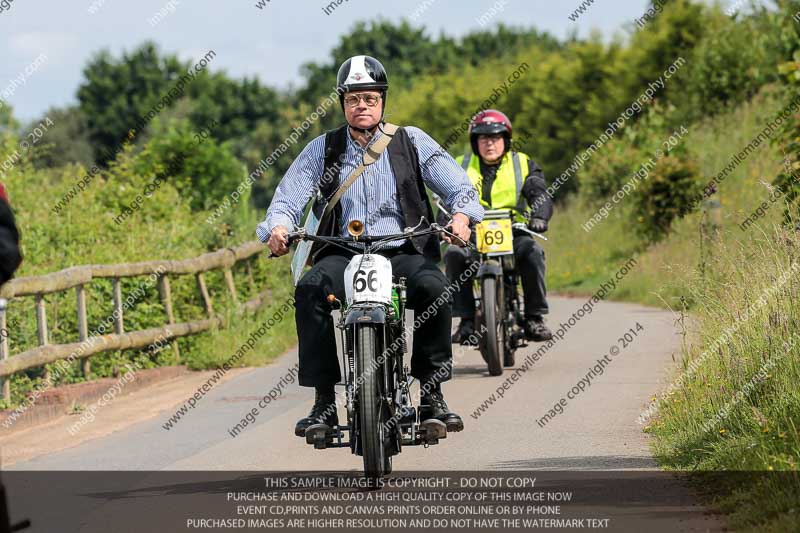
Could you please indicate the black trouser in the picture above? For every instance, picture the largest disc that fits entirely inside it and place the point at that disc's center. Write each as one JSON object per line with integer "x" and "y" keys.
{"x": 425, "y": 283}
{"x": 529, "y": 260}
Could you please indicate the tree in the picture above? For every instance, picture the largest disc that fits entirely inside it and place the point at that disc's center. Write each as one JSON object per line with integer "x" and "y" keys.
{"x": 202, "y": 170}
{"x": 7, "y": 121}
{"x": 237, "y": 106}
{"x": 408, "y": 53}
{"x": 116, "y": 94}
{"x": 66, "y": 141}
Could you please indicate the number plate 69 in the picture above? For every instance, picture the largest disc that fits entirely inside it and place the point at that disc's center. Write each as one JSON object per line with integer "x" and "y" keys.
{"x": 494, "y": 236}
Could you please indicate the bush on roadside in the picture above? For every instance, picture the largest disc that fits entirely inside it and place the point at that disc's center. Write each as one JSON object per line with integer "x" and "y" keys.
{"x": 606, "y": 172}
{"x": 789, "y": 139}
{"x": 666, "y": 194}
{"x": 201, "y": 169}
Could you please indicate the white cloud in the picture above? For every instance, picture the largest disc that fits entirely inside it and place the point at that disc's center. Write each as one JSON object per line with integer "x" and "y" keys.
{"x": 57, "y": 45}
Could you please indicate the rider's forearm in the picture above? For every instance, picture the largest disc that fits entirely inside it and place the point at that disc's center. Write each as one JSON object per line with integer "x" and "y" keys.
{"x": 283, "y": 211}
{"x": 464, "y": 200}
{"x": 295, "y": 189}
{"x": 541, "y": 207}
{"x": 535, "y": 192}
{"x": 272, "y": 221}
{"x": 461, "y": 217}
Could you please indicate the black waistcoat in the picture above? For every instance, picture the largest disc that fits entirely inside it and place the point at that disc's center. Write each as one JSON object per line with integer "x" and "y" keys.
{"x": 411, "y": 193}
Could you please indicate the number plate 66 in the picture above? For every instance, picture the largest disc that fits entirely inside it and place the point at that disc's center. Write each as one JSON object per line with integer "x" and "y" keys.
{"x": 368, "y": 278}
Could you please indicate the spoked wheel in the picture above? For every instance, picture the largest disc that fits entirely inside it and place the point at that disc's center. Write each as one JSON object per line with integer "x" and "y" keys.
{"x": 493, "y": 314}
{"x": 370, "y": 404}
{"x": 511, "y": 312}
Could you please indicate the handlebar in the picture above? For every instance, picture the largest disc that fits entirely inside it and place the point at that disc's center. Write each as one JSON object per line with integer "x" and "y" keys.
{"x": 522, "y": 227}
{"x": 345, "y": 242}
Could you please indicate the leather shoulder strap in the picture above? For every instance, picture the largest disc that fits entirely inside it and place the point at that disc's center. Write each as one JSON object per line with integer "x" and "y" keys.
{"x": 467, "y": 159}
{"x": 518, "y": 179}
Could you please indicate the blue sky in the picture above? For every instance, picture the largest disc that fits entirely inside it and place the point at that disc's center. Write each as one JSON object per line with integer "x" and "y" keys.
{"x": 270, "y": 43}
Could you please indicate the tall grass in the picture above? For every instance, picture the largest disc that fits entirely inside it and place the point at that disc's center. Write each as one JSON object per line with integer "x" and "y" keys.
{"x": 734, "y": 404}
{"x": 738, "y": 406}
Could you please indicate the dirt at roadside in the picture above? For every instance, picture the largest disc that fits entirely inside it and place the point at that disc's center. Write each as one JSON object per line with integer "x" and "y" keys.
{"x": 122, "y": 412}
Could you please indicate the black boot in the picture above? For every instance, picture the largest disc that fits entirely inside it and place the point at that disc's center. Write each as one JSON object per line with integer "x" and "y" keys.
{"x": 323, "y": 411}
{"x": 465, "y": 333}
{"x": 432, "y": 405}
{"x": 536, "y": 331}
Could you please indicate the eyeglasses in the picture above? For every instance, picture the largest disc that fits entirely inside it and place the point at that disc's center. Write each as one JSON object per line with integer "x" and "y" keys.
{"x": 490, "y": 139}
{"x": 370, "y": 99}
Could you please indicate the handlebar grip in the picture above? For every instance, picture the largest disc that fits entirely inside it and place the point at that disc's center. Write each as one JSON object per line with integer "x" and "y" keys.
{"x": 291, "y": 238}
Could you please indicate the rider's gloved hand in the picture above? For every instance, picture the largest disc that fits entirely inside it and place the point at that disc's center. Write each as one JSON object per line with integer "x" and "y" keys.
{"x": 460, "y": 227}
{"x": 278, "y": 242}
{"x": 538, "y": 225}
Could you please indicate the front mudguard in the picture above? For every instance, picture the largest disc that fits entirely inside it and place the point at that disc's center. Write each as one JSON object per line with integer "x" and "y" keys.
{"x": 365, "y": 315}
{"x": 491, "y": 268}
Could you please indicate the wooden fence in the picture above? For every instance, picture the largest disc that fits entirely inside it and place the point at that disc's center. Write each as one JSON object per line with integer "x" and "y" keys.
{"x": 78, "y": 277}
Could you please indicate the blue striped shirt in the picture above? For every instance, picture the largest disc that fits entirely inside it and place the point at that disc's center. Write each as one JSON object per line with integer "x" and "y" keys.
{"x": 372, "y": 198}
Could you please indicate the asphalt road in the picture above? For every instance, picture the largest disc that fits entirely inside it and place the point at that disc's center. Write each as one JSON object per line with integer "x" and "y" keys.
{"x": 596, "y": 430}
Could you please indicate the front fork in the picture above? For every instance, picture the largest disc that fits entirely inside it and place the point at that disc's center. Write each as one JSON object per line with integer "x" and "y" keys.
{"x": 396, "y": 393}
{"x": 396, "y": 377}
{"x": 503, "y": 269}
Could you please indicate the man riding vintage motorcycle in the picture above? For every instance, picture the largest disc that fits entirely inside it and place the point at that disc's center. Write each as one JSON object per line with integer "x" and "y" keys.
{"x": 388, "y": 196}
{"x": 502, "y": 178}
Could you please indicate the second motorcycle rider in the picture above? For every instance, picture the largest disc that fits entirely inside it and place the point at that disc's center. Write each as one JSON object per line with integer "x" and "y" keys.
{"x": 504, "y": 179}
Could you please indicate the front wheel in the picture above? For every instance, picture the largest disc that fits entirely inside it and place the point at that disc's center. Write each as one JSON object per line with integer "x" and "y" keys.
{"x": 370, "y": 403}
{"x": 492, "y": 307}
{"x": 513, "y": 313}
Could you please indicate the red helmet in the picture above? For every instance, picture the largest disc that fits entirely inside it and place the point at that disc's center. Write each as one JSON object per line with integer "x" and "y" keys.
{"x": 490, "y": 122}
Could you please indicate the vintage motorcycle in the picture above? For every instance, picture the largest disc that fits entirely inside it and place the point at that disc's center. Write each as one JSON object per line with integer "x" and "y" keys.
{"x": 499, "y": 310}
{"x": 381, "y": 417}
{"x": 498, "y": 307}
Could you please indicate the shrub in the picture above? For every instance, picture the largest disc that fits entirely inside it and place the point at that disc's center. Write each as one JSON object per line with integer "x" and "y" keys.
{"x": 668, "y": 191}
{"x": 789, "y": 139}
{"x": 607, "y": 171}
{"x": 202, "y": 170}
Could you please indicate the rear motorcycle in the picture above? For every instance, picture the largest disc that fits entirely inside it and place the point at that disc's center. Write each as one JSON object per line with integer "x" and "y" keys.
{"x": 499, "y": 313}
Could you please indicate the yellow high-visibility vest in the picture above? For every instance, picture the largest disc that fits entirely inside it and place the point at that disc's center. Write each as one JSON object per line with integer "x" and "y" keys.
{"x": 507, "y": 187}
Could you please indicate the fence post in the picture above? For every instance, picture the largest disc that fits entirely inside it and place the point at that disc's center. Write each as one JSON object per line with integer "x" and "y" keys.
{"x": 119, "y": 324}
{"x": 6, "y": 381}
{"x": 41, "y": 320}
{"x": 165, "y": 292}
{"x": 41, "y": 327}
{"x": 231, "y": 285}
{"x": 83, "y": 327}
{"x": 201, "y": 285}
